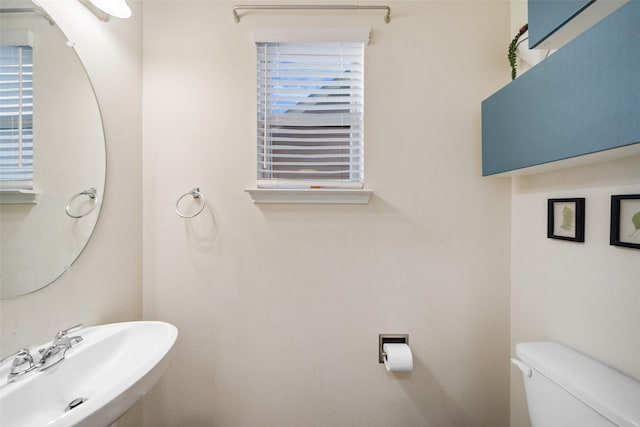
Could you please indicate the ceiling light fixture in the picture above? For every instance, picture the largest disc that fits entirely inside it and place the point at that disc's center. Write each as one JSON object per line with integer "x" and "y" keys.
{"x": 117, "y": 8}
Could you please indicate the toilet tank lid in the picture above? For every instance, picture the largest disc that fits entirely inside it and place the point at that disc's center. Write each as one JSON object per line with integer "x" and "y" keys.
{"x": 607, "y": 391}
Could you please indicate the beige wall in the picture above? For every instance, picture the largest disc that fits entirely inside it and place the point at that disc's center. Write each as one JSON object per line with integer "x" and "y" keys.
{"x": 279, "y": 306}
{"x": 105, "y": 284}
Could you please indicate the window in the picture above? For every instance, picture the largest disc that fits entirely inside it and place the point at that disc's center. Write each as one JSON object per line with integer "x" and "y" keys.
{"x": 310, "y": 109}
{"x": 16, "y": 116}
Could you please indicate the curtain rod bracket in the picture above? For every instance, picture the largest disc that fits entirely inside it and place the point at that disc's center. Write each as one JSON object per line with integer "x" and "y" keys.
{"x": 236, "y": 16}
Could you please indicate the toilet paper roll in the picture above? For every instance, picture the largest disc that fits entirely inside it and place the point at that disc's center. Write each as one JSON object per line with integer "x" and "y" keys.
{"x": 398, "y": 357}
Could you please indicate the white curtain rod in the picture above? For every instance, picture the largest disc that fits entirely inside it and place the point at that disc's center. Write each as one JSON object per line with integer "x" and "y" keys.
{"x": 236, "y": 17}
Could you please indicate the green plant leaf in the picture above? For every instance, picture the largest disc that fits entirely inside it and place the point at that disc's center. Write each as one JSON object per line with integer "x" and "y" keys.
{"x": 635, "y": 219}
{"x": 567, "y": 219}
{"x": 513, "y": 45}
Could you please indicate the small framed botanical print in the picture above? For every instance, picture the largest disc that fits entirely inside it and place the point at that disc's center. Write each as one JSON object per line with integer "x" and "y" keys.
{"x": 565, "y": 219}
{"x": 625, "y": 221}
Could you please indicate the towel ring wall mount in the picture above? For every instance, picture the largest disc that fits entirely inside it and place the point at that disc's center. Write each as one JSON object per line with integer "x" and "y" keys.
{"x": 196, "y": 194}
{"x": 92, "y": 194}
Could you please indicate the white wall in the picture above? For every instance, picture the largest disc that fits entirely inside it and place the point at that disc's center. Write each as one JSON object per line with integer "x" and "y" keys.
{"x": 279, "y": 306}
{"x": 105, "y": 284}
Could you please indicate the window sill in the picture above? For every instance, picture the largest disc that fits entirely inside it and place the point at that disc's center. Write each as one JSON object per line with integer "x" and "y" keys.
{"x": 319, "y": 195}
{"x": 19, "y": 196}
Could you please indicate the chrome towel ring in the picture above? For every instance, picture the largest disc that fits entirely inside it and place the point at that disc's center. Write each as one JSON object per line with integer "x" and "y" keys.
{"x": 92, "y": 194}
{"x": 196, "y": 194}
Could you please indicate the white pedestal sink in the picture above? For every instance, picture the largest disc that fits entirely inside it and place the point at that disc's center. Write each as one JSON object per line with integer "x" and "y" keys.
{"x": 108, "y": 371}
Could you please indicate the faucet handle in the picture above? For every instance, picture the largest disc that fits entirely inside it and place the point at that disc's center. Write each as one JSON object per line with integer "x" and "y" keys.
{"x": 19, "y": 353}
{"x": 21, "y": 357}
{"x": 64, "y": 332}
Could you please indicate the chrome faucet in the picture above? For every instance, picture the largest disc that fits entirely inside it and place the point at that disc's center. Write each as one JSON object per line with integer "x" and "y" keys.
{"x": 56, "y": 351}
{"x": 23, "y": 361}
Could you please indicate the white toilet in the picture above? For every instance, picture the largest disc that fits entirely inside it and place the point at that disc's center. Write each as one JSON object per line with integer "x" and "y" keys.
{"x": 567, "y": 389}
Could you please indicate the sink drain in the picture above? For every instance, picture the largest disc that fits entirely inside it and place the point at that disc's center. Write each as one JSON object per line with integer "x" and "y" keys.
{"x": 75, "y": 403}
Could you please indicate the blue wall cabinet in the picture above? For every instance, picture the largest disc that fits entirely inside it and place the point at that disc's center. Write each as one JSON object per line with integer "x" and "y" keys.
{"x": 583, "y": 99}
{"x": 552, "y": 23}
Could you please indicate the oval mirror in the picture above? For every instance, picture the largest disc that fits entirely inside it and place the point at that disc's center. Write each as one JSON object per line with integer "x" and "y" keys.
{"x": 45, "y": 221}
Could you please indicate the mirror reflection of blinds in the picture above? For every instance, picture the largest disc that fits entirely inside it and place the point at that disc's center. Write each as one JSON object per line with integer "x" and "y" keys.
{"x": 310, "y": 114}
{"x": 16, "y": 115}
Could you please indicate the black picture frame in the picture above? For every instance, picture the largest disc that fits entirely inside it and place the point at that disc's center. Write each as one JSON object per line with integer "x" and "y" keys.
{"x": 625, "y": 221}
{"x": 565, "y": 219}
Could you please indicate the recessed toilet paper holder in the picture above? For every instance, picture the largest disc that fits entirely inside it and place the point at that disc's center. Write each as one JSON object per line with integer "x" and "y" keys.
{"x": 390, "y": 339}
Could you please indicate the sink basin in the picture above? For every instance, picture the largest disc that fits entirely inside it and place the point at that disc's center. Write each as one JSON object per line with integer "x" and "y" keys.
{"x": 108, "y": 371}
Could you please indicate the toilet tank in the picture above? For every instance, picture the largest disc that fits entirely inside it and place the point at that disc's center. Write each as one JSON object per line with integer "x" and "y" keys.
{"x": 567, "y": 389}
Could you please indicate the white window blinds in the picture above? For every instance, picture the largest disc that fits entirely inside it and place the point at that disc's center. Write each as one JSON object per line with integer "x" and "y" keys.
{"x": 310, "y": 114}
{"x": 16, "y": 115}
